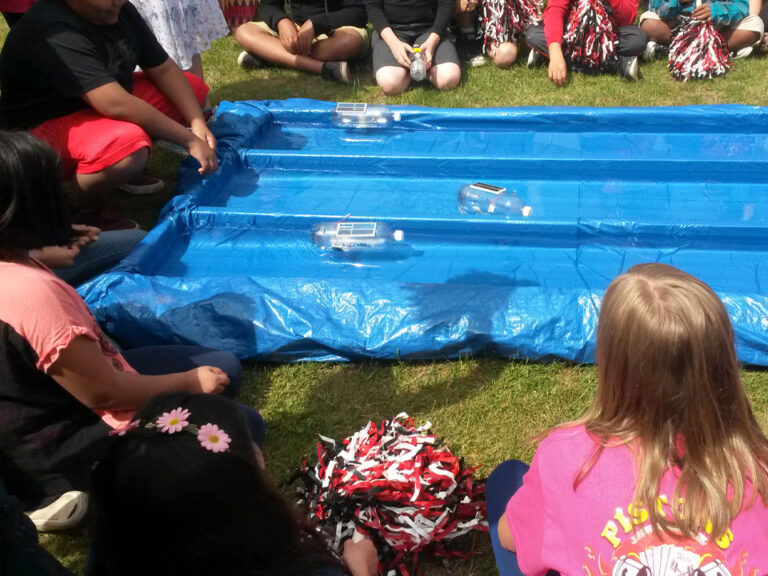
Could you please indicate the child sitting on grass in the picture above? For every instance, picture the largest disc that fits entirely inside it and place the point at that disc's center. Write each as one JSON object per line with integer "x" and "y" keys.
{"x": 401, "y": 24}
{"x": 667, "y": 472}
{"x": 731, "y": 18}
{"x": 63, "y": 386}
{"x": 192, "y": 498}
{"x": 317, "y": 37}
{"x": 546, "y": 39}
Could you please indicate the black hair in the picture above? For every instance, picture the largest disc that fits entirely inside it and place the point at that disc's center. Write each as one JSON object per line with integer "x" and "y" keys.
{"x": 33, "y": 212}
{"x": 166, "y": 505}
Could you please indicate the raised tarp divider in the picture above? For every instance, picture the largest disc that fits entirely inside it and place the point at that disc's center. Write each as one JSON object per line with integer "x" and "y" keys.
{"x": 232, "y": 265}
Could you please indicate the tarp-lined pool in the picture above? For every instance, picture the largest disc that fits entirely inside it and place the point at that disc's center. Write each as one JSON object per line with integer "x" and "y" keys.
{"x": 232, "y": 264}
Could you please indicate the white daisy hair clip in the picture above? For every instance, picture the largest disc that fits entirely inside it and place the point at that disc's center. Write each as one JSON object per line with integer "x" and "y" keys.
{"x": 210, "y": 436}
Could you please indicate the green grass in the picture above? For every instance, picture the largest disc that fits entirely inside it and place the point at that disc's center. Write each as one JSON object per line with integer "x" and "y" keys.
{"x": 486, "y": 409}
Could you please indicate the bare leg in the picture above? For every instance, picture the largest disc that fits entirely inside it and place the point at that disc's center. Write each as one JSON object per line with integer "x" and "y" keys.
{"x": 738, "y": 39}
{"x": 657, "y": 31}
{"x": 87, "y": 187}
{"x": 504, "y": 55}
{"x": 393, "y": 79}
{"x": 341, "y": 46}
{"x": 445, "y": 76}
{"x": 197, "y": 66}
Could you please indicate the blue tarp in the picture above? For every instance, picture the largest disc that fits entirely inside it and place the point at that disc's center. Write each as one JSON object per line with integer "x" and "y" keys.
{"x": 231, "y": 264}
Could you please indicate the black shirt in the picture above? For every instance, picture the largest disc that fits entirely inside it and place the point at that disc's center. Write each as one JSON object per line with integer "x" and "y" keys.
{"x": 410, "y": 15}
{"x": 48, "y": 440}
{"x": 53, "y": 56}
{"x": 326, "y": 15}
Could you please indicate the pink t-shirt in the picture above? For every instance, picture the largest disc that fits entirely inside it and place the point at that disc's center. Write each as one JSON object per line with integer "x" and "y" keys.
{"x": 595, "y": 530}
{"x": 49, "y": 314}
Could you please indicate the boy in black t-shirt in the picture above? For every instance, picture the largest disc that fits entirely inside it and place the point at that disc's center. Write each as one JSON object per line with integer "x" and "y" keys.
{"x": 67, "y": 75}
{"x": 318, "y": 37}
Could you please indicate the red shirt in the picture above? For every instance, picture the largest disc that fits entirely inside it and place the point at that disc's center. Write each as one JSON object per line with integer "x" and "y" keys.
{"x": 16, "y": 6}
{"x": 624, "y": 12}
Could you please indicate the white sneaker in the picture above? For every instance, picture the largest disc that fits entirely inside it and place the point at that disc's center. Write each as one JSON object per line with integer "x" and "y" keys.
{"x": 248, "y": 61}
{"x": 629, "y": 68}
{"x": 743, "y": 53}
{"x": 650, "y": 51}
{"x": 67, "y": 511}
{"x": 534, "y": 58}
{"x": 148, "y": 185}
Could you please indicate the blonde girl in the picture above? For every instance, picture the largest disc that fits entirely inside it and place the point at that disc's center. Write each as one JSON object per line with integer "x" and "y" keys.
{"x": 667, "y": 472}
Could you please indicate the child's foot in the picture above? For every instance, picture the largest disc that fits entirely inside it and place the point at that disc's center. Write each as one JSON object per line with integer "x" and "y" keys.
{"x": 470, "y": 49}
{"x": 66, "y": 512}
{"x": 248, "y": 61}
{"x": 743, "y": 53}
{"x": 534, "y": 59}
{"x": 629, "y": 68}
{"x": 143, "y": 185}
{"x": 650, "y": 51}
{"x": 338, "y": 71}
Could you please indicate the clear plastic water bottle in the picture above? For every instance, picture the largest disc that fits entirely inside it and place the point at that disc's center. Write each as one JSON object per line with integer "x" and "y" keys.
{"x": 482, "y": 198}
{"x": 352, "y": 236}
{"x": 361, "y": 115}
{"x": 418, "y": 73}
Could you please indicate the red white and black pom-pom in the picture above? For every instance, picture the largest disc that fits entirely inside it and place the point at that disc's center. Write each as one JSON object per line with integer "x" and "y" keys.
{"x": 505, "y": 20}
{"x": 590, "y": 39}
{"x": 697, "y": 50}
{"x": 398, "y": 485}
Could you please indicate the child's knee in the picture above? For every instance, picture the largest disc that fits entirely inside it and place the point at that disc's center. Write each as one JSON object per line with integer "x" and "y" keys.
{"x": 349, "y": 44}
{"x": 505, "y": 55}
{"x": 393, "y": 80}
{"x": 447, "y": 76}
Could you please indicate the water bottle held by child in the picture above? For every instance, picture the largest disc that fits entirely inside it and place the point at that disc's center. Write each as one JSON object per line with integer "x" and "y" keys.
{"x": 480, "y": 198}
{"x": 351, "y": 236}
{"x": 418, "y": 72}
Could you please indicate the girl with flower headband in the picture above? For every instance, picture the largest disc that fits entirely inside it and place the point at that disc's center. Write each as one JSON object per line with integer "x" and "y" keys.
{"x": 182, "y": 492}
{"x": 63, "y": 386}
{"x": 667, "y": 472}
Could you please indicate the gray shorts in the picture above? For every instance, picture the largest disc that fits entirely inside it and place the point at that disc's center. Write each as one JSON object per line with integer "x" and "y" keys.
{"x": 382, "y": 55}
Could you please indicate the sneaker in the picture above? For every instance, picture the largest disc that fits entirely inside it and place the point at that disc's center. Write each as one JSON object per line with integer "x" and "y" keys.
{"x": 143, "y": 185}
{"x": 338, "y": 71}
{"x": 629, "y": 68}
{"x": 470, "y": 49}
{"x": 743, "y": 53}
{"x": 650, "y": 51}
{"x": 534, "y": 59}
{"x": 248, "y": 61}
{"x": 66, "y": 512}
{"x": 762, "y": 47}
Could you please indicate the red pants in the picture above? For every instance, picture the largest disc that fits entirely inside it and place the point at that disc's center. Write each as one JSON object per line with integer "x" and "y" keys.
{"x": 89, "y": 142}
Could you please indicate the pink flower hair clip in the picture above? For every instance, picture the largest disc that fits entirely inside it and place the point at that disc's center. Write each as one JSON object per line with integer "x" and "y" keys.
{"x": 209, "y": 435}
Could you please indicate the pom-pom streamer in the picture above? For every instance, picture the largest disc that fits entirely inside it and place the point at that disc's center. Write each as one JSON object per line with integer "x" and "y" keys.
{"x": 590, "y": 39}
{"x": 697, "y": 50}
{"x": 505, "y": 20}
{"x": 398, "y": 485}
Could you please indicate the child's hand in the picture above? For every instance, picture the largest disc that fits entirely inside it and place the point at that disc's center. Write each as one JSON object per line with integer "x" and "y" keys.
{"x": 402, "y": 52}
{"x": 702, "y": 12}
{"x": 288, "y": 35}
{"x": 200, "y": 129}
{"x": 558, "y": 71}
{"x": 86, "y": 234}
{"x": 428, "y": 49}
{"x": 57, "y": 256}
{"x": 203, "y": 153}
{"x": 361, "y": 557}
{"x": 208, "y": 379}
{"x": 305, "y": 36}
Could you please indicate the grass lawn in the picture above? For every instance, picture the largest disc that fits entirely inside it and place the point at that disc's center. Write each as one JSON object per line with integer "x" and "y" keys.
{"x": 484, "y": 408}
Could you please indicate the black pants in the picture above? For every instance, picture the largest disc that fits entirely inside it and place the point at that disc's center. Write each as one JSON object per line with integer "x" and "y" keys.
{"x": 632, "y": 40}
{"x": 12, "y": 17}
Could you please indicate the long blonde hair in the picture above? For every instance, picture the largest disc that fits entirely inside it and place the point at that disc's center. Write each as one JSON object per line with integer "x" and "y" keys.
{"x": 669, "y": 387}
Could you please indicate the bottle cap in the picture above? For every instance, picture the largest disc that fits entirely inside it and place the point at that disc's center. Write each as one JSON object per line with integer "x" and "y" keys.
{"x": 398, "y": 235}
{"x": 417, "y": 49}
{"x": 526, "y": 211}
